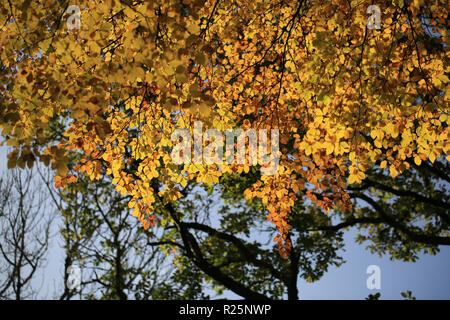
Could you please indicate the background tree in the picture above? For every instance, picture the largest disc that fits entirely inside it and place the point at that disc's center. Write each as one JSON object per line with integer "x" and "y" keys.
{"x": 26, "y": 217}
{"x": 223, "y": 241}
{"x": 229, "y": 240}
{"x": 404, "y": 216}
{"x": 118, "y": 258}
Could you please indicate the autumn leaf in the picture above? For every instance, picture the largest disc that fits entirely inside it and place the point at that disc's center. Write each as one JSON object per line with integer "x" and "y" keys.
{"x": 345, "y": 98}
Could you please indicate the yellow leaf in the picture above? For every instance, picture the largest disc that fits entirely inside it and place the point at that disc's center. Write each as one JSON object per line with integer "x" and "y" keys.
{"x": 393, "y": 171}
{"x": 330, "y": 148}
{"x": 201, "y": 58}
{"x": 417, "y": 160}
{"x": 353, "y": 178}
{"x": 432, "y": 156}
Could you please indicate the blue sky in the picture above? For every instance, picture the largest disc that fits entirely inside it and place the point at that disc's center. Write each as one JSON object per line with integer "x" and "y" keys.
{"x": 428, "y": 278}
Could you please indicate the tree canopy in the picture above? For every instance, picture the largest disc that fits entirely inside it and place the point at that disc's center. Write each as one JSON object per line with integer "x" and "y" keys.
{"x": 349, "y": 101}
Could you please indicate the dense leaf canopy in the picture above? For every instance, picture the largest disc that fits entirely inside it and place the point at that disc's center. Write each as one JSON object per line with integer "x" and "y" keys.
{"x": 345, "y": 98}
